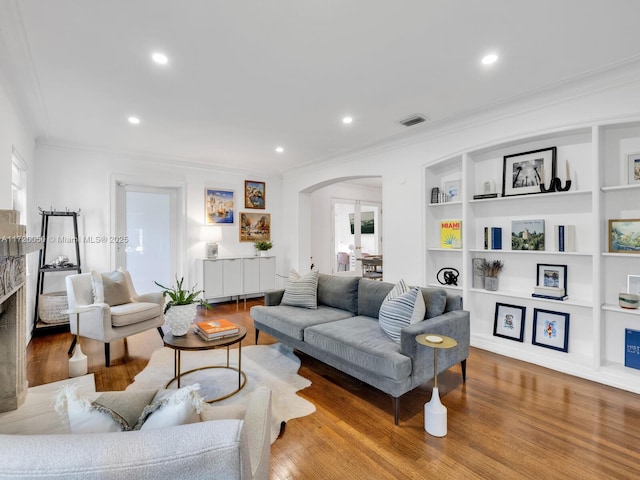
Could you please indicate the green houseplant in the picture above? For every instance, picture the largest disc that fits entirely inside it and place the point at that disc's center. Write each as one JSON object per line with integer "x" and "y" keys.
{"x": 180, "y": 309}
{"x": 263, "y": 247}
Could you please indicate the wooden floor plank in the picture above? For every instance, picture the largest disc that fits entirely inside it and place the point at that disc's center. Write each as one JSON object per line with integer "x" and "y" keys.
{"x": 511, "y": 420}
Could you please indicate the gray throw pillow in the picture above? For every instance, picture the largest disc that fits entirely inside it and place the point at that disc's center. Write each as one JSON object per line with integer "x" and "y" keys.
{"x": 116, "y": 290}
{"x": 301, "y": 291}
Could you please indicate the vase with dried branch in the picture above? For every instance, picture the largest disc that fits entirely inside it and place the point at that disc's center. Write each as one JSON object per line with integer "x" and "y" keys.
{"x": 491, "y": 270}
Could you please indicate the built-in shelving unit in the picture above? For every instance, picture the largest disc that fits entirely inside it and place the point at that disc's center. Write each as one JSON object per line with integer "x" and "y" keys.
{"x": 594, "y": 156}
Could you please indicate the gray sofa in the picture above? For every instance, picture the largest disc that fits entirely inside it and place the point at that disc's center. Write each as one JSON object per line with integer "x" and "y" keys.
{"x": 344, "y": 333}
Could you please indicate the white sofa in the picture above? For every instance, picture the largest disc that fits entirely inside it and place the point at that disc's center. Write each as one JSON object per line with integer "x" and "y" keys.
{"x": 216, "y": 449}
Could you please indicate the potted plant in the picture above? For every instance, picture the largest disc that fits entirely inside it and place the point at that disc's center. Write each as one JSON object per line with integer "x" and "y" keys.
{"x": 180, "y": 309}
{"x": 263, "y": 247}
{"x": 491, "y": 269}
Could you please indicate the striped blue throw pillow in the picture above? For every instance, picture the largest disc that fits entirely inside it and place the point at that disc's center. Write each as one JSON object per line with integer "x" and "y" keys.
{"x": 301, "y": 291}
{"x": 396, "y": 313}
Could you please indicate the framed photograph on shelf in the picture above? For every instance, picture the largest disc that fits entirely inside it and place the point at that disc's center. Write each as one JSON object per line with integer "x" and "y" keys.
{"x": 633, "y": 161}
{"x": 527, "y": 235}
{"x": 523, "y": 173}
{"x": 624, "y": 235}
{"x": 633, "y": 284}
{"x": 551, "y": 329}
{"x": 552, "y": 276}
{"x": 254, "y": 194}
{"x": 219, "y": 206}
{"x": 452, "y": 190}
{"x": 509, "y": 321}
{"x": 255, "y": 227}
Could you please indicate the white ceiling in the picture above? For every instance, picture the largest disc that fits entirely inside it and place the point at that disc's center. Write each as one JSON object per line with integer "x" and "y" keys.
{"x": 245, "y": 76}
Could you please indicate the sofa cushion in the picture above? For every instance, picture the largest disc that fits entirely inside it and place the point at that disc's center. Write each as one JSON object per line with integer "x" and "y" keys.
{"x": 338, "y": 292}
{"x": 172, "y": 407}
{"x": 371, "y": 294}
{"x": 435, "y": 300}
{"x": 124, "y": 407}
{"x": 301, "y": 291}
{"x": 359, "y": 341}
{"x": 136, "y": 312}
{"x": 292, "y": 321}
{"x": 398, "y": 312}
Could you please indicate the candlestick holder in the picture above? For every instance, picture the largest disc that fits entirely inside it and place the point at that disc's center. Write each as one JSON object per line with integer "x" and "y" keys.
{"x": 555, "y": 186}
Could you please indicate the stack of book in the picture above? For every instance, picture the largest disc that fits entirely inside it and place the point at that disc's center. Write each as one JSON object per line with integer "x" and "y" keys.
{"x": 553, "y": 293}
{"x": 215, "y": 329}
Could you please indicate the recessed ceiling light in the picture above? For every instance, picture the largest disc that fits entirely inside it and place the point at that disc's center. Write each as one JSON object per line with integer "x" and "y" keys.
{"x": 134, "y": 120}
{"x": 160, "y": 58}
{"x": 279, "y": 149}
{"x": 489, "y": 59}
{"x": 347, "y": 120}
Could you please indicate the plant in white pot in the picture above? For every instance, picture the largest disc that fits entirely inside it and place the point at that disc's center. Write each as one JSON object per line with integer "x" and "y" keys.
{"x": 180, "y": 310}
{"x": 491, "y": 270}
{"x": 263, "y": 247}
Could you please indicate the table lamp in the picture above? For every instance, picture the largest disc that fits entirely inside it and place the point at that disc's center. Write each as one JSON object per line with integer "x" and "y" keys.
{"x": 211, "y": 235}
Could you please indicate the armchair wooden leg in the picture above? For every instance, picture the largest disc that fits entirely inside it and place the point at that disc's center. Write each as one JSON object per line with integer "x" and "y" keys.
{"x": 107, "y": 355}
{"x": 161, "y": 332}
{"x": 257, "y": 333}
{"x": 73, "y": 345}
{"x": 463, "y": 366}
{"x": 396, "y": 409}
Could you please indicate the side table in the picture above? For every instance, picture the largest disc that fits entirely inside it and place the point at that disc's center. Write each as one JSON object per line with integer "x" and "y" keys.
{"x": 78, "y": 362}
{"x": 435, "y": 413}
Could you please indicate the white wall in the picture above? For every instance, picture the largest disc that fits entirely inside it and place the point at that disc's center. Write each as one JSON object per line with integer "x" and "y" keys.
{"x": 85, "y": 179}
{"x": 16, "y": 134}
{"x": 401, "y": 165}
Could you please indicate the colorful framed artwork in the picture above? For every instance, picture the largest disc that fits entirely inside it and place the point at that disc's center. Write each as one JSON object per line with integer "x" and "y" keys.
{"x": 633, "y": 161}
{"x": 551, "y": 329}
{"x": 624, "y": 235}
{"x": 219, "y": 206}
{"x": 551, "y": 276}
{"x": 527, "y": 235}
{"x": 523, "y": 173}
{"x": 452, "y": 190}
{"x": 254, "y": 194}
{"x": 509, "y": 321}
{"x": 255, "y": 227}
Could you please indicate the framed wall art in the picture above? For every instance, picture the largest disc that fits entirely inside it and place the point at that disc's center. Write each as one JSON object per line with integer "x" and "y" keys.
{"x": 509, "y": 321}
{"x": 624, "y": 235}
{"x": 633, "y": 162}
{"x": 633, "y": 284}
{"x": 254, "y": 194}
{"x": 219, "y": 206}
{"x": 551, "y": 329}
{"x": 523, "y": 173}
{"x": 552, "y": 276}
{"x": 452, "y": 189}
{"x": 255, "y": 227}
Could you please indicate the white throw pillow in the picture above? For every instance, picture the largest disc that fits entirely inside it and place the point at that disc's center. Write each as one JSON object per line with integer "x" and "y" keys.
{"x": 301, "y": 291}
{"x": 395, "y": 314}
{"x": 173, "y": 407}
{"x": 419, "y": 308}
{"x": 75, "y": 409}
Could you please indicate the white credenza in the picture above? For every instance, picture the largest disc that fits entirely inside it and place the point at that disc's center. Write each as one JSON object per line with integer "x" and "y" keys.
{"x": 236, "y": 276}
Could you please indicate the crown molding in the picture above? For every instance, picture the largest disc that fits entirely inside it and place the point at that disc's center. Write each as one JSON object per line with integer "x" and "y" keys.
{"x": 20, "y": 75}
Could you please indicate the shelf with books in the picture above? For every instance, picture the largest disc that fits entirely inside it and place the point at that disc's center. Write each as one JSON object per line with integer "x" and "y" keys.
{"x": 531, "y": 252}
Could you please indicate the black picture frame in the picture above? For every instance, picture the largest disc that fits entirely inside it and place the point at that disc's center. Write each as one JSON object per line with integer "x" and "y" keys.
{"x": 551, "y": 275}
{"x": 509, "y": 321}
{"x": 550, "y": 329}
{"x": 523, "y": 173}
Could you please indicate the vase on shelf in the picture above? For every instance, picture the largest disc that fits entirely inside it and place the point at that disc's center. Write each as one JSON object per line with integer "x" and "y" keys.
{"x": 491, "y": 283}
{"x": 179, "y": 317}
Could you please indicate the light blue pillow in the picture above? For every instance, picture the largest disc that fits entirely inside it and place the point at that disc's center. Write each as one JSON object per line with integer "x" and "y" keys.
{"x": 301, "y": 291}
{"x": 396, "y": 313}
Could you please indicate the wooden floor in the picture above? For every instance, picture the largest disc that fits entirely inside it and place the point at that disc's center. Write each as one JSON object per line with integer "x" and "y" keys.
{"x": 510, "y": 420}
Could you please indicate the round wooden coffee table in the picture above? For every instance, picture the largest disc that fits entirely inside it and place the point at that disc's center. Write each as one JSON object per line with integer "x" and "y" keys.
{"x": 192, "y": 342}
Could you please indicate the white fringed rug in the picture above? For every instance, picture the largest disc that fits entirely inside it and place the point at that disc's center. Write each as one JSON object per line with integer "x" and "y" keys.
{"x": 275, "y": 366}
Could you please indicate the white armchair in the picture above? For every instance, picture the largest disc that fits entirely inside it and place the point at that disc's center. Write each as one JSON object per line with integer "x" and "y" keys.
{"x": 118, "y": 310}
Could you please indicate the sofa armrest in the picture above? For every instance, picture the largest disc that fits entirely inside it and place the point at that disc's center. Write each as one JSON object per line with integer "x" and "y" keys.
{"x": 273, "y": 297}
{"x": 257, "y": 422}
{"x": 454, "y": 324}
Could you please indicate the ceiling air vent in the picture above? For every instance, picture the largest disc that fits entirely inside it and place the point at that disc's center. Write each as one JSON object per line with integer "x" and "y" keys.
{"x": 413, "y": 120}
